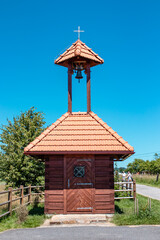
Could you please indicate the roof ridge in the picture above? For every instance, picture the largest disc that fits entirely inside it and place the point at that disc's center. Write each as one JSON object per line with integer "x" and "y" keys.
{"x": 90, "y": 50}
{"x": 111, "y": 131}
{"x": 48, "y": 130}
{"x": 64, "y": 53}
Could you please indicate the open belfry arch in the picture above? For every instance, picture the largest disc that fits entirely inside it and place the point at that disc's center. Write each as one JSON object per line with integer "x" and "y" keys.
{"x": 79, "y": 149}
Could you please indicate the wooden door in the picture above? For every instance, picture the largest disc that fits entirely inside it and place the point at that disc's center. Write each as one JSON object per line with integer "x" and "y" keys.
{"x": 79, "y": 184}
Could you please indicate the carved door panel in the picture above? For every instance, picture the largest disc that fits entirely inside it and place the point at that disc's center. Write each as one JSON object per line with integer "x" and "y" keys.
{"x": 79, "y": 185}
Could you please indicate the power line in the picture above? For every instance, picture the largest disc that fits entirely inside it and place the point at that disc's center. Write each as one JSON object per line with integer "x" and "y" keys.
{"x": 146, "y": 154}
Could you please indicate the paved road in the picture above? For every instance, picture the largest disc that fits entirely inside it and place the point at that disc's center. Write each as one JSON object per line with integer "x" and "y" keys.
{"x": 84, "y": 233}
{"x": 147, "y": 191}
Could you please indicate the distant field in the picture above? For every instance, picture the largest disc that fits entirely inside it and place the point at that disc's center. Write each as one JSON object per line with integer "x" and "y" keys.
{"x": 3, "y": 197}
{"x": 147, "y": 179}
{"x": 2, "y": 183}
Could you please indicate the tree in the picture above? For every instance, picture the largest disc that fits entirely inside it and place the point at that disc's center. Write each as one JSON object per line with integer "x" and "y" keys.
{"x": 116, "y": 174}
{"x": 150, "y": 167}
{"x": 157, "y": 166}
{"x": 156, "y": 156}
{"x": 136, "y": 166}
{"x": 121, "y": 169}
{"x": 15, "y": 168}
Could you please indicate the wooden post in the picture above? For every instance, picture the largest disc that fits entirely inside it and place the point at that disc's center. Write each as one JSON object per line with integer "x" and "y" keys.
{"x": 149, "y": 203}
{"x": 157, "y": 177}
{"x": 21, "y": 194}
{"x": 10, "y": 200}
{"x": 29, "y": 193}
{"x": 134, "y": 189}
{"x": 88, "y": 88}
{"x": 70, "y": 88}
{"x": 135, "y": 205}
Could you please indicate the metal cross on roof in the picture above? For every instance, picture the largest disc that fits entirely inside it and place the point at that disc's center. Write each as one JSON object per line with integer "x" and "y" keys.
{"x": 79, "y": 31}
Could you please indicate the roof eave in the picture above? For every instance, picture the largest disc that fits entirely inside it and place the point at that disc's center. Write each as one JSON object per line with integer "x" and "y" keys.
{"x": 125, "y": 154}
{"x": 64, "y": 63}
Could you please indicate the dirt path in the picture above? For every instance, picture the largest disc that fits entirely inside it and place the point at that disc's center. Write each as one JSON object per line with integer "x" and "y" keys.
{"x": 147, "y": 191}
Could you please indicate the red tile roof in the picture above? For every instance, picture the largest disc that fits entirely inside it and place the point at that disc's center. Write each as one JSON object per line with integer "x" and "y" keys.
{"x": 79, "y": 49}
{"x": 79, "y": 133}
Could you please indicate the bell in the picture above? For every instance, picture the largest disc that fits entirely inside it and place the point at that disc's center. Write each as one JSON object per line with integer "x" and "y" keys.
{"x": 79, "y": 73}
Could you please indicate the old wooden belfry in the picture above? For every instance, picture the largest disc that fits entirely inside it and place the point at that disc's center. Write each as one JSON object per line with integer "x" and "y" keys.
{"x": 79, "y": 149}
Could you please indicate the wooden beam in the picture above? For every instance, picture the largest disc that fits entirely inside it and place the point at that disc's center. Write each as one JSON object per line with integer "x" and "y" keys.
{"x": 88, "y": 88}
{"x": 76, "y": 152}
{"x": 70, "y": 88}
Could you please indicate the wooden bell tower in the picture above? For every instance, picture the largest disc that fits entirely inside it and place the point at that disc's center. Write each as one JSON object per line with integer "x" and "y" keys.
{"x": 79, "y": 58}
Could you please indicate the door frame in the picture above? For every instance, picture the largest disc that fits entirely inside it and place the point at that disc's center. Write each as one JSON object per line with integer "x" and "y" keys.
{"x": 91, "y": 156}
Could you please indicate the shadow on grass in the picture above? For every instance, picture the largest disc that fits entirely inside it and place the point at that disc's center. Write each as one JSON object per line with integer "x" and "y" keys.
{"x": 118, "y": 210}
{"x": 37, "y": 210}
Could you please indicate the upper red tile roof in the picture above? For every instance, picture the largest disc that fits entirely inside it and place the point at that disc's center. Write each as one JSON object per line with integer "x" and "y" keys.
{"x": 79, "y": 133}
{"x": 79, "y": 49}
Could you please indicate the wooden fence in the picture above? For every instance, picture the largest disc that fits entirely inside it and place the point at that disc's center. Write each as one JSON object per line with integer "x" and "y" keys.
{"x": 128, "y": 187}
{"x": 23, "y": 193}
{"x": 20, "y": 195}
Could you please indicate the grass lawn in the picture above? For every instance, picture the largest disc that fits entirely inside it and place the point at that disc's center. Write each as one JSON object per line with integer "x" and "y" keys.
{"x": 35, "y": 218}
{"x": 124, "y": 212}
{"x": 147, "y": 179}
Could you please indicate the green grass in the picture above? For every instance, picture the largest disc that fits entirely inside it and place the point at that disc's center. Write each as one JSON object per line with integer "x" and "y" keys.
{"x": 124, "y": 212}
{"x": 149, "y": 180}
{"x": 35, "y": 218}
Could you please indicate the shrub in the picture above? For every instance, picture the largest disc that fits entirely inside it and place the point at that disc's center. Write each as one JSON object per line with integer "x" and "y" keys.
{"x": 22, "y": 213}
{"x": 36, "y": 201}
{"x": 144, "y": 212}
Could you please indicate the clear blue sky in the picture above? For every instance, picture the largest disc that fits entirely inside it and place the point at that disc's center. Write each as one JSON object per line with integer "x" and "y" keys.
{"x": 125, "y": 90}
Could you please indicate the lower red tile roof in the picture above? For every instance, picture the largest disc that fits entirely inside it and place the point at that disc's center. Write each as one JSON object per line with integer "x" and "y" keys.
{"x": 79, "y": 133}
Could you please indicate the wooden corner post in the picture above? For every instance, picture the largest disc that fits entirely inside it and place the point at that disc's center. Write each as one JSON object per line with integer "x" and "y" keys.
{"x": 70, "y": 88}
{"x": 88, "y": 88}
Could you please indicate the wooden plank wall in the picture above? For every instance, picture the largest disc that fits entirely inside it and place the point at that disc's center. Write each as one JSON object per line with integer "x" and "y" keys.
{"x": 104, "y": 184}
{"x": 54, "y": 181}
{"x": 103, "y": 187}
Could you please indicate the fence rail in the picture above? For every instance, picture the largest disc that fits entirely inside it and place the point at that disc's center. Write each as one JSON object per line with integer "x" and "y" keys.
{"x": 28, "y": 193}
{"x": 129, "y": 187}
